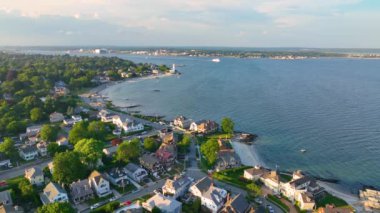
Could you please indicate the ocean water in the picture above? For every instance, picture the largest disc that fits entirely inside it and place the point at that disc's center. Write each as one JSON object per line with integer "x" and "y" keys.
{"x": 329, "y": 106}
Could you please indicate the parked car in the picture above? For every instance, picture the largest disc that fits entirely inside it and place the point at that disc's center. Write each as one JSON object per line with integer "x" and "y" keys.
{"x": 96, "y": 205}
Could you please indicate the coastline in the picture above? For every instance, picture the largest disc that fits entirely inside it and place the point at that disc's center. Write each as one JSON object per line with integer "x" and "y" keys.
{"x": 248, "y": 153}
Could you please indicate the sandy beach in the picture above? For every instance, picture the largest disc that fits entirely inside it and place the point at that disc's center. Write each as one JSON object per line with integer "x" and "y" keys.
{"x": 248, "y": 154}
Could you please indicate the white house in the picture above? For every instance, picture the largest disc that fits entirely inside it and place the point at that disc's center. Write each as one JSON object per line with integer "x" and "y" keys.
{"x": 211, "y": 196}
{"x": 56, "y": 117}
{"x": 165, "y": 204}
{"x": 177, "y": 187}
{"x": 62, "y": 141}
{"x": 127, "y": 125}
{"x": 117, "y": 177}
{"x": 35, "y": 176}
{"x": 28, "y": 152}
{"x": 255, "y": 173}
{"x": 42, "y": 148}
{"x": 99, "y": 184}
{"x": 272, "y": 181}
{"x": 182, "y": 122}
{"x": 53, "y": 193}
{"x": 135, "y": 172}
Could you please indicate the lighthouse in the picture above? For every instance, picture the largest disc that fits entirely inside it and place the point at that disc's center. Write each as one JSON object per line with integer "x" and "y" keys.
{"x": 173, "y": 69}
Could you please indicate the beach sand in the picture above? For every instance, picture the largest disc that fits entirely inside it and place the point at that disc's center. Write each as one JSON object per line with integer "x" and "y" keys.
{"x": 248, "y": 154}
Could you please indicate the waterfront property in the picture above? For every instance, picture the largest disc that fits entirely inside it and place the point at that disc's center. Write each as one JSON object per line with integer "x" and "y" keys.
{"x": 227, "y": 159}
{"x": 370, "y": 199}
{"x": 165, "y": 204}
{"x": 204, "y": 126}
{"x": 127, "y": 124}
{"x": 333, "y": 209}
{"x": 212, "y": 197}
{"x": 52, "y": 193}
{"x": 182, "y": 122}
{"x": 255, "y": 173}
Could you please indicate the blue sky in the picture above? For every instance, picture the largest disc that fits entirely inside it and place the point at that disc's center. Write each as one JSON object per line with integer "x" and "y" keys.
{"x": 239, "y": 23}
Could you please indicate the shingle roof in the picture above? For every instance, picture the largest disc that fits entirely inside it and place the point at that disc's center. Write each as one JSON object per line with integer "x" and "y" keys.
{"x": 52, "y": 190}
{"x": 96, "y": 176}
{"x": 239, "y": 203}
{"x": 131, "y": 167}
{"x": 80, "y": 188}
{"x": 33, "y": 172}
{"x": 28, "y": 149}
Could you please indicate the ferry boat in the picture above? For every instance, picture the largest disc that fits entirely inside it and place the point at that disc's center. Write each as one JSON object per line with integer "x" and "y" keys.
{"x": 216, "y": 60}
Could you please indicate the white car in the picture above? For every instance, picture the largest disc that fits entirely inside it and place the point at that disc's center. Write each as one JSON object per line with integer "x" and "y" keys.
{"x": 96, "y": 205}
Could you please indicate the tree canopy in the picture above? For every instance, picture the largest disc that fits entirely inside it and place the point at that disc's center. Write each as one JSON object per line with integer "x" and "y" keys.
{"x": 128, "y": 150}
{"x": 68, "y": 167}
{"x": 91, "y": 150}
{"x": 8, "y": 148}
{"x": 49, "y": 132}
{"x": 56, "y": 208}
{"x": 36, "y": 114}
{"x": 150, "y": 144}
{"x": 228, "y": 125}
{"x": 210, "y": 151}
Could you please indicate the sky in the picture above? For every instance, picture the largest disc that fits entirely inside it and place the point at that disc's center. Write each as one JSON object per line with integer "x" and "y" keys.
{"x": 233, "y": 23}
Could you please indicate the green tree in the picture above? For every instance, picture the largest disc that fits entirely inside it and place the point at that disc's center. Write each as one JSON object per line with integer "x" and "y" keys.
{"x": 150, "y": 144}
{"x": 68, "y": 167}
{"x": 49, "y": 132}
{"x": 56, "y": 208}
{"x": 90, "y": 149}
{"x": 15, "y": 127}
{"x": 27, "y": 191}
{"x": 54, "y": 148}
{"x": 97, "y": 130}
{"x": 254, "y": 188}
{"x": 128, "y": 150}
{"x": 210, "y": 151}
{"x": 8, "y": 148}
{"x": 196, "y": 205}
{"x": 36, "y": 114}
{"x": 228, "y": 125}
{"x": 156, "y": 210}
{"x": 184, "y": 144}
{"x": 78, "y": 132}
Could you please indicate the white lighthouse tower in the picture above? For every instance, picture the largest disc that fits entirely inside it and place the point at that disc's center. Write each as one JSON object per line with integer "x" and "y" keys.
{"x": 173, "y": 69}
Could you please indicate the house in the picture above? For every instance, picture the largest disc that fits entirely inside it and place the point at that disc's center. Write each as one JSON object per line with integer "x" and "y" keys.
{"x": 62, "y": 141}
{"x": 106, "y": 116}
{"x": 255, "y": 173}
{"x": 167, "y": 154}
{"x": 177, "y": 187}
{"x": 151, "y": 163}
{"x": 60, "y": 88}
{"x": 31, "y": 141}
{"x": 272, "y": 181}
{"x": 133, "y": 208}
{"x": 99, "y": 184}
{"x": 10, "y": 209}
{"x": 204, "y": 126}
{"x": 128, "y": 125}
{"x": 227, "y": 159}
{"x": 51, "y": 167}
{"x": 68, "y": 122}
{"x": 237, "y": 204}
{"x": 370, "y": 199}
{"x": 76, "y": 118}
{"x": 35, "y": 176}
{"x": 4, "y": 161}
{"x": 166, "y": 135}
{"x": 81, "y": 191}
{"x": 333, "y": 209}
{"x": 28, "y": 152}
{"x": 53, "y": 193}
{"x": 33, "y": 130}
{"x": 135, "y": 172}
{"x": 110, "y": 151}
{"x": 182, "y": 122}
{"x": 42, "y": 148}
{"x": 212, "y": 197}
{"x": 306, "y": 201}
{"x": 117, "y": 177}
{"x": 165, "y": 204}
{"x": 5, "y": 198}
{"x": 56, "y": 117}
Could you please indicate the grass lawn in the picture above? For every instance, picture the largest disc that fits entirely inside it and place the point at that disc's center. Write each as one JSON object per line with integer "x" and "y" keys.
{"x": 98, "y": 199}
{"x": 330, "y": 199}
{"x": 203, "y": 165}
{"x": 285, "y": 178}
{"x": 128, "y": 188}
{"x": 279, "y": 203}
{"x": 232, "y": 176}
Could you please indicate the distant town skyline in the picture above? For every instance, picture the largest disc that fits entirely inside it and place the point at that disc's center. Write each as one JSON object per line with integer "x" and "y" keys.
{"x": 234, "y": 23}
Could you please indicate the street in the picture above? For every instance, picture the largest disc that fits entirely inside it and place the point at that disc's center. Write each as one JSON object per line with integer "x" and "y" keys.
{"x": 20, "y": 170}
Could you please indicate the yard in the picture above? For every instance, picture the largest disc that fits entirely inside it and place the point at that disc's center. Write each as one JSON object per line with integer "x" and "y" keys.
{"x": 330, "y": 199}
{"x": 232, "y": 176}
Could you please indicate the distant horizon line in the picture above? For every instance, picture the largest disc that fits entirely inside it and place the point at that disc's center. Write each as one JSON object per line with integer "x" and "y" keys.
{"x": 183, "y": 46}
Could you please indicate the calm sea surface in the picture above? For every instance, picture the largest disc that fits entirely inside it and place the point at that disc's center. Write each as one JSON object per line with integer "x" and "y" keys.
{"x": 330, "y": 107}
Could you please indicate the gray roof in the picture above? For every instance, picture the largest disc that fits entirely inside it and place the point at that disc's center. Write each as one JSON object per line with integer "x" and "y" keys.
{"x": 206, "y": 186}
{"x": 301, "y": 181}
{"x": 80, "y": 188}
{"x": 116, "y": 173}
{"x": 148, "y": 160}
{"x": 178, "y": 183}
{"x": 131, "y": 167}
{"x": 239, "y": 204}
{"x": 5, "y": 196}
{"x": 33, "y": 172}
{"x": 52, "y": 190}
{"x": 28, "y": 149}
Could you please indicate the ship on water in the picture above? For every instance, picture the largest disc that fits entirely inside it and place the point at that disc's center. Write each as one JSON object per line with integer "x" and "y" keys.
{"x": 216, "y": 60}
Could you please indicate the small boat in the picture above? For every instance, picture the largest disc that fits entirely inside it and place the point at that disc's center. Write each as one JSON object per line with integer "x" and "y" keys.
{"x": 216, "y": 60}
{"x": 302, "y": 150}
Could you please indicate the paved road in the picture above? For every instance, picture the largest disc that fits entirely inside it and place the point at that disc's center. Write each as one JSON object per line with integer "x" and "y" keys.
{"x": 20, "y": 170}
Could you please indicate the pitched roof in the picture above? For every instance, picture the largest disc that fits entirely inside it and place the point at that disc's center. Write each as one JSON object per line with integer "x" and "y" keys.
{"x": 149, "y": 160}
{"x": 80, "y": 188}
{"x": 52, "y": 190}
{"x": 177, "y": 183}
{"x": 256, "y": 170}
{"x": 131, "y": 167}
{"x": 204, "y": 184}
{"x": 96, "y": 176}
{"x": 300, "y": 181}
{"x": 28, "y": 149}
{"x": 164, "y": 203}
{"x": 33, "y": 172}
{"x": 239, "y": 204}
